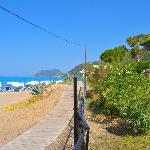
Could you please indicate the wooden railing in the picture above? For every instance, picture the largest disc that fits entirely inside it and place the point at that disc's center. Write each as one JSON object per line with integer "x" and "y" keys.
{"x": 81, "y": 127}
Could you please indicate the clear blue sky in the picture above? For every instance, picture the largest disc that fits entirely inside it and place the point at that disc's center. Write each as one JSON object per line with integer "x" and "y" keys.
{"x": 101, "y": 24}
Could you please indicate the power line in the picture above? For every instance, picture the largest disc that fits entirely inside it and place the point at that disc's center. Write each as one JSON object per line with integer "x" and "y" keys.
{"x": 42, "y": 29}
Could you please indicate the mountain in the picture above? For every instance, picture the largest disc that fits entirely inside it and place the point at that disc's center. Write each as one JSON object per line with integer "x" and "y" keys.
{"x": 76, "y": 70}
{"x": 49, "y": 73}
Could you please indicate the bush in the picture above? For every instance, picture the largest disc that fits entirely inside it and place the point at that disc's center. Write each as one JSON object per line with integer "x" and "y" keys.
{"x": 37, "y": 89}
{"x": 125, "y": 93}
{"x": 17, "y": 89}
{"x": 114, "y": 55}
{"x": 145, "y": 56}
{"x": 142, "y": 65}
{"x": 97, "y": 75}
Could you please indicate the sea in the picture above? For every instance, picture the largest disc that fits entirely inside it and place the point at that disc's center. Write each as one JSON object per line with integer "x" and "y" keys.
{"x": 13, "y": 82}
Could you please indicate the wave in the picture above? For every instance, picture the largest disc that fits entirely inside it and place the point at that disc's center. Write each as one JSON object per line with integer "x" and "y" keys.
{"x": 14, "y": 82}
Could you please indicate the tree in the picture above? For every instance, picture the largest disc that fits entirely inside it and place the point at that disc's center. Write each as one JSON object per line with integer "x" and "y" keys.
{"x": 136, "y": 52}
{"x": 146, "y": 42}
{"x": 145, "y": 56}
{"x": 135, "y": 40}
{"x": 139, "y": 44}
{"x": 114, "y": 55}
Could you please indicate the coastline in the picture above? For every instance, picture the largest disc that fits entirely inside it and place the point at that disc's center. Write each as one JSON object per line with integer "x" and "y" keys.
{"x": 11, "y": 83}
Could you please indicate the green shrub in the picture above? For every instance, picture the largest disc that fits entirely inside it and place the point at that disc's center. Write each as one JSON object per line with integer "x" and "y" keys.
{"x": 114, "y": 55}
{"x": 17, "y": 89}
{"x": 126, "y": 94}
{"x": 142, "y": 65}
{"x": 37, "y": 89}
{"x": 145, "y": 56}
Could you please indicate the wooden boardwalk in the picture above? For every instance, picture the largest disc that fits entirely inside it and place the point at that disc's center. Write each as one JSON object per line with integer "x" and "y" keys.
{"x": 47, "y": 130}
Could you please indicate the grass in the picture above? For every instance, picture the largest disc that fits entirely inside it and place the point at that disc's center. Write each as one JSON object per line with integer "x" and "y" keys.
{"x": 122, "y": 143}
{"x": 23, "y": 104}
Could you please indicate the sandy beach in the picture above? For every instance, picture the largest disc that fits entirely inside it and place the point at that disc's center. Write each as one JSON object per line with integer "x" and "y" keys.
{"x": 14, "y": 123}
{"x": 7, "y": 98}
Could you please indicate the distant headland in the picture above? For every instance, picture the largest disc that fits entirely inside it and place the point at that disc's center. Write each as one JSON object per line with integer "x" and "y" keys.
{"x": 49, "y": 73}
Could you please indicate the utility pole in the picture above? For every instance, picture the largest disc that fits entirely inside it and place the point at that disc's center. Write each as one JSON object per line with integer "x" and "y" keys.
{"x": 85, "y": 76}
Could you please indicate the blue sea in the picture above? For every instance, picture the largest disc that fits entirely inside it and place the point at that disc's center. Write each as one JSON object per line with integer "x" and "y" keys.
{"x": 12, "y": 81}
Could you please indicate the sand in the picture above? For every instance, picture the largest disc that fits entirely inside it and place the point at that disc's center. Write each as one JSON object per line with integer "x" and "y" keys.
{"x": 7, "y": 98}
{"x": 14, "y": 123}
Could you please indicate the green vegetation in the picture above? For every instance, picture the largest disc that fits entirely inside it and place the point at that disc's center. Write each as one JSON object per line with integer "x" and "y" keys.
{"x": 125, "y": 93}
{"x": 114, "y": 55}
{"x": 135, "y": 44}
{"x": 136, "y": 40}
{"x": 145, "y": 56}
{"x": 76, "y": 70}
{"x": 119, "y": 86}
{"x": 37, "y": 89}
{"x": 146, "y": 42}
{"x": 17, "y": 89}
{"x": 124, "y": 143}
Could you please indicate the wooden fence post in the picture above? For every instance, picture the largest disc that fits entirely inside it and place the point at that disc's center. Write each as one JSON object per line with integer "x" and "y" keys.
{"x": 75, "y": 112}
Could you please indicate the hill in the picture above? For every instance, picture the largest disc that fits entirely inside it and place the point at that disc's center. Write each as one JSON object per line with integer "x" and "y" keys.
{"x": 49, "y": 73}
{"x": 76, "y": 70}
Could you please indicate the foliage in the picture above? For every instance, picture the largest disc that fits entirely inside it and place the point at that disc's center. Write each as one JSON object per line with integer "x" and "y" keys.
{"x": 76, "y": 70}
{"x": 135, "y": 40}
{"x": 37, "y": 89}
{"x": 23, "y": 104}
{"x": 114, "y": 55}
{"x": 146, "y": 42}
{"x": 145, "y": 56}
{"x": 136, "y": 52}
{"x": 125, "y": 93}
{"x": 139, "y": 44}
{"x": 97, "y": 75}
{"x": 142, "y": 65}
{"x": 17, "y": 89}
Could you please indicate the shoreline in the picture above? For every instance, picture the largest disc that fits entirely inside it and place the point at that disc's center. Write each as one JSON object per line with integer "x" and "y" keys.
{"x": 17, "y": 84}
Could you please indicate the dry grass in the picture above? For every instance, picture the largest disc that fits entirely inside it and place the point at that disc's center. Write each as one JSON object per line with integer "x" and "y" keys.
{"x": 23, "y": 104}
{"x": 107, "y": 134}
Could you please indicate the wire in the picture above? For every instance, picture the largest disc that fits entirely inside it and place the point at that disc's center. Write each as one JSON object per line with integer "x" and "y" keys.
{"x": 42, "y": 29}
